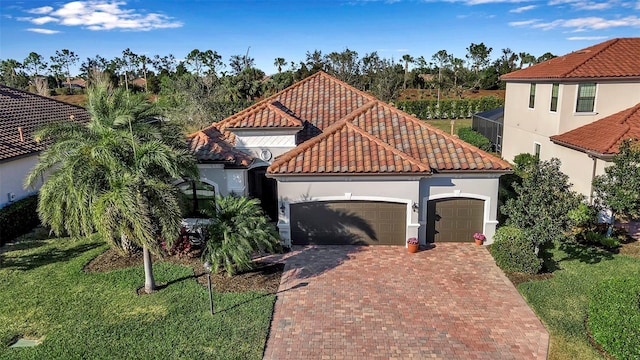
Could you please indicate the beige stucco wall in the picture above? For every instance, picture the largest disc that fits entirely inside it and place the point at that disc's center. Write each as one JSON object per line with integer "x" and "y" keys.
{"x": 294, "y": 190}
{"x": 12, "y": 175}
{"x": 224, "y": 180}
{"x": 483, "y": 187}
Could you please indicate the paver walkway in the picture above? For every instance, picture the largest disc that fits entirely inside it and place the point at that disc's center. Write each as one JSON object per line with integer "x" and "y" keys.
{"x": 379, "y": 302}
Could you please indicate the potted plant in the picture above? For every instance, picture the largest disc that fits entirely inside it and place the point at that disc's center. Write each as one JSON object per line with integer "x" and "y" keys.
{"x": 479, "y": 238}
{"x": 412, "y": 245}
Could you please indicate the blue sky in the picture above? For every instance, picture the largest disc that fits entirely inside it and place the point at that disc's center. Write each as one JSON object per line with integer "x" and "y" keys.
{"x": 289, "y": 29}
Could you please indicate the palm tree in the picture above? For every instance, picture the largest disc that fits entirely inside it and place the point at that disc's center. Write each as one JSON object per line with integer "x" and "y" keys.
{"x": 239, "y": 229}
{"x": 112, "y": 175}
{"x": 279, "y": 63}
{"x": 407, "y": 59}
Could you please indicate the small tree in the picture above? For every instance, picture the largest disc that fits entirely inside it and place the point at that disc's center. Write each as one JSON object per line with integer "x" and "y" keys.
{"x": 239, "y": 229}
{"x": 618, "y": 189}
{"x": 543, "y": 203}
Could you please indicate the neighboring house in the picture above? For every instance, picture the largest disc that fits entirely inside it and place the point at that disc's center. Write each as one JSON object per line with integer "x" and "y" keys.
{"x": 333, "y": 165}
{"x": 490, "y": 124}
{"x": 577, "y": 107}
{"x": 21, "y": 113}
{"x": 78, "y": 83}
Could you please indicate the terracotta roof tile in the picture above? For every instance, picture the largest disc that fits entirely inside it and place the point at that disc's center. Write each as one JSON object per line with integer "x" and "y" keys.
{"x": 616, "y": 58}
{"x": 21, "y": 111}
{"x": 603, "y": 136}
{"x": 210, "y": 145}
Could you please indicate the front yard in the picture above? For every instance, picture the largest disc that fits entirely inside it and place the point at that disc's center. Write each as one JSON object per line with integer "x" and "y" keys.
{"x": 562, "y": 301}
{"x": 45, "y": 294}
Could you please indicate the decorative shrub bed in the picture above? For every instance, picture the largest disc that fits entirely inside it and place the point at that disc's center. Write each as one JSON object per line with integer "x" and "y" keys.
{"x": 474, "y": 138}
{"x": 614, "y": 317}
{"x": 449, "y": 108}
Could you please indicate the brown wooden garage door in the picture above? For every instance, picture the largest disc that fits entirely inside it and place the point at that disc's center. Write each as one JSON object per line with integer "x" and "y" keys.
{"x": 454, "y": 219}
{"x": 348, "y": 223}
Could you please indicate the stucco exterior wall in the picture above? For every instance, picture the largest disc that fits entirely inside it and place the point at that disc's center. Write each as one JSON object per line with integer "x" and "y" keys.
{"x": 12, "y": 175}
{"x": 294, "y": 190}
{"x": 224, "y": 180}
{"x": 462, "y": 186}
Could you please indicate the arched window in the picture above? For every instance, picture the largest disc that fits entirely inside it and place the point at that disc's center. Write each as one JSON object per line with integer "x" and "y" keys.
{"x": 198, "y": 195}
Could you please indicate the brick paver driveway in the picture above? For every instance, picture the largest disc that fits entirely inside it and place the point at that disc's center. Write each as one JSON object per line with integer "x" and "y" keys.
{"x": 379, "y": 302}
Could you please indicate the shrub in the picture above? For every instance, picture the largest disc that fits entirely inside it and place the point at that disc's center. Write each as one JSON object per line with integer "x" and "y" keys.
{"x": 514, "y": 252}
{"x": 474, "y": 138}
{"x": 449, "y": 108}
{"x": 18, "y": 218}
{"x": 614, "y": 317}
{"x": 609, "y": 242}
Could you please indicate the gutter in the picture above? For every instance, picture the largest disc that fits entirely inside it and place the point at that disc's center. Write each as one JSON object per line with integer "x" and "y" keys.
{"x": 591, "y": 153}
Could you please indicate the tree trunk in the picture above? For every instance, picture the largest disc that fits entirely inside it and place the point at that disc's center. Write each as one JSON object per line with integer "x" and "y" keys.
{"x": 149, "y": 283}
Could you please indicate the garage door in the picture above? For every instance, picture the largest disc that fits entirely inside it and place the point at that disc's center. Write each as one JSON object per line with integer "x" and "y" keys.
{"x": 348, "y": 223}
{"x": 454, "y": 219}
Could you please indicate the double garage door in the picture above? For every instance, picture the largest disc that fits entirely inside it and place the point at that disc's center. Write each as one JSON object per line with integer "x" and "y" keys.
{"x": 348, "y": 223}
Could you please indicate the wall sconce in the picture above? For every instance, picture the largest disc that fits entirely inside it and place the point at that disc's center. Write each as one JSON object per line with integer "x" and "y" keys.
{"x": 415, "y": 207}
{"x": 282, "y": 208}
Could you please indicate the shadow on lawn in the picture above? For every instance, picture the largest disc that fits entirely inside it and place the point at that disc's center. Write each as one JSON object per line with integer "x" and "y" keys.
{"x": 297, "y": 286}
{"x": 584, "y": 253}
{"x": 32, "y": 261}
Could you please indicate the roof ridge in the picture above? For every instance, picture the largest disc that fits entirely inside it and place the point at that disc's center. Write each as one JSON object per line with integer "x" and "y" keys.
{"x": 389, "y": 147}
{"x": 344, "y": 84}
{"x": 284, "y": 113}
{"x": 45, "y": 97}
{"x": 589, "y": 58}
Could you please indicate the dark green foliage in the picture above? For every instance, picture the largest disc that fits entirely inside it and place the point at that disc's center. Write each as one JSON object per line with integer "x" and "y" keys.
{"x": 543, "y": 203}
{"x": 513, "y": 251}
{"x": 614, "y": 317}
{"x": 619, "y": 188}
{"x": 474, "y": 138}
{"x": 239, "y": 229}
{"x": 449, "y": 109}
{"x": 524, "y": 163}
{"x": 506, "y": 191}
{"x": 18, "y": 218}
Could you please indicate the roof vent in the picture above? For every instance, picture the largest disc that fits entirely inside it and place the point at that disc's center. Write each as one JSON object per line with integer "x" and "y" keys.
{"x": 21, "y": 134}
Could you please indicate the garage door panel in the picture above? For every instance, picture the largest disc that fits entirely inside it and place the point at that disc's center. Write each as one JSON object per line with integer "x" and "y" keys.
{"x": 454, "y": 220}
{"x": 348, "y": 222}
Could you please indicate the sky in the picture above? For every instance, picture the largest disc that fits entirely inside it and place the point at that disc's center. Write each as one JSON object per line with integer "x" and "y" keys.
{"x": 290, "y": 29}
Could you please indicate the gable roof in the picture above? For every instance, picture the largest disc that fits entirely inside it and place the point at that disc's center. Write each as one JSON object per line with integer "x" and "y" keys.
{"x": 602, "y": 137}
{"x": 616, "y": 58}
{"x": 21, "y": 113}
{"x": 354, "y": 134}
{"x": 210, "y": 145}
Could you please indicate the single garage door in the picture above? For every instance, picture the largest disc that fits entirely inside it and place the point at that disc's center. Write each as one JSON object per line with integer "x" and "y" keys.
{"x": 454, "y": 219}
{"x": 348, "y": 223}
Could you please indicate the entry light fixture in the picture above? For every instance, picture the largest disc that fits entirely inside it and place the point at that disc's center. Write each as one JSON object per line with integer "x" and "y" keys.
{"x": 282, "y": 208}
{"x": 415, "y": 207}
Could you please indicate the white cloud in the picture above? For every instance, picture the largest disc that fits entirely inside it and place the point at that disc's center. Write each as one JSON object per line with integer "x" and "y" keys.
{"x": 524, "y": 23}
{"x": 523, "y": 9}
{"x": 43, "y": 31}
{"x": 41, "y": 10}
{"x": 589, "y": 23}
{"x": 585, "y": 4}
{"x": 589, "y": 38}
{"x": 102, "y": 15}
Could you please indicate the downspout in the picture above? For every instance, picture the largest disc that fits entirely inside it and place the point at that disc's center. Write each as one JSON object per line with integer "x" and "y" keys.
{"x": 593, "y": 176}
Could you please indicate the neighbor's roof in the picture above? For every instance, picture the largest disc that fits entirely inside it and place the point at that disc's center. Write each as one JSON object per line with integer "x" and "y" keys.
{"x": 24, "y": 112}
{"x": 210, "y": 145}
{"x": 605, "y": 135}
{"x": 616, "y": 58}
{"x": 354, "y": 134}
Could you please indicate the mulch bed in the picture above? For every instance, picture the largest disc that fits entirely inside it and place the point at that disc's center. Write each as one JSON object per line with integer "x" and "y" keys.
{"x": 264, "y": 277}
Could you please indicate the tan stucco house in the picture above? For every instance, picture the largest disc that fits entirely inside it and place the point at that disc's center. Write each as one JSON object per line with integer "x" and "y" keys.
{"x": 334, "y": 165}
{"x": 21, "y": 113}
{"x": 577, "y": 107}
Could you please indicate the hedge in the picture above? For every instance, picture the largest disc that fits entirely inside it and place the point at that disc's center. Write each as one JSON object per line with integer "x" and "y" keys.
{"x": 474, "y": 138}
{"x": 614, "y": 317}
{"x": 18, "y": 218}
{"x": 449, "y": 108}
{"x": 514, "y": 252}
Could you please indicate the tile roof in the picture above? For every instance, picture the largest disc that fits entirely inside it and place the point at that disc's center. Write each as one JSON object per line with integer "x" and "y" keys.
{"x": 616, "y": 58}
{"x": 603, "y": 136}
{"x": 21, "y": 113}
{"x": 349, "y": 132}
{"x": 209, "y": 145}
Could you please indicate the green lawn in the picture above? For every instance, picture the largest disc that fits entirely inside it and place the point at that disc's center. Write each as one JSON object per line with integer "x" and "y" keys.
{"x": 45, "y": 294}
{"x": 562, "y": 301}
{"x": 445, "y": 125}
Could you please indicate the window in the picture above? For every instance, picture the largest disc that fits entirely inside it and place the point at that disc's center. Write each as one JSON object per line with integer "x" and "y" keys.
{"x": 197, "y": 195}
{"x": 554, "y": 97}
{"x": 536, "y": 149}
{"x": 532, "y": 95}
{"x": 586, "y": 97}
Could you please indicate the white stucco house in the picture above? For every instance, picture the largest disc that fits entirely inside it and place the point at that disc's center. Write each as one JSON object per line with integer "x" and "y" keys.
{"x": 21, "y": 113}
{"x": 334, "y": 165}
{"x": 577, "y": 107}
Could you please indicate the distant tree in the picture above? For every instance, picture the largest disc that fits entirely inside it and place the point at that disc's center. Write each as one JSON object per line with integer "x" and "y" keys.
{"x": 12, "y": 75}
{"x": 165, "y": 65}
{"x": 64, "y": 59}
{"x": 129, "y": 63}
{"x": 204, "y": 62}
{"x": 388, "y": 81}
{"x": 93, "y": 66}
{"x": 279, "y": 63}
{"x": 479, "y": 56}
{"x": 407, "y": 60}
{"x": 315, "y": 61}
{"x": 372, "y": 64}
{"x": 443, "y": 61}
{"x": 543, "y": 202}
{"x": 239, "y": 63}
{"x": 345, "y": 66}
{"x": 526, "y": 59}
{"x": 34, "y": 64}
{"x": 618, "y": 189}
{"x": 544, "y": 57}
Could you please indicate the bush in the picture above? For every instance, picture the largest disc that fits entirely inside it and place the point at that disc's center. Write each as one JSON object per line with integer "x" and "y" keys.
{"x": 449, "y": 108}
{"x": 474, "y": 138}
{"x": 18, "y": 218}
{"x": 614, "y": 317}
{"x": 514, "y": 252}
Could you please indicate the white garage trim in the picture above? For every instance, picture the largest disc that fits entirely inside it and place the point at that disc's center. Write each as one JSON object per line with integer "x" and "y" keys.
{"x": 457, "y": 194}
{"x": 284, "y": 225}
